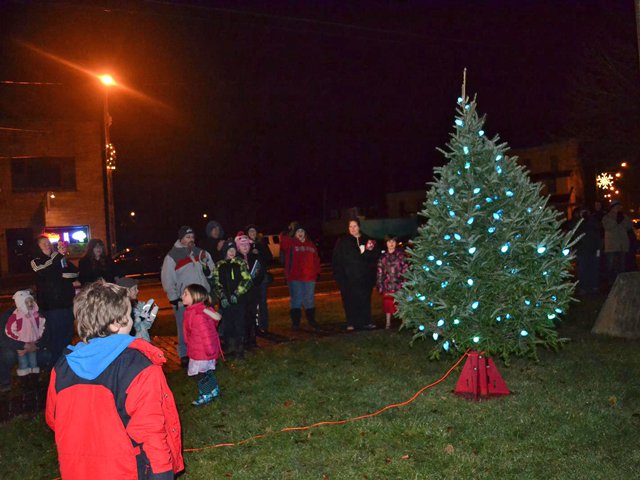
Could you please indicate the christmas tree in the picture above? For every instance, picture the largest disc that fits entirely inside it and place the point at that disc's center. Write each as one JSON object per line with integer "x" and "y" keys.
{"x": 490, "y": 268}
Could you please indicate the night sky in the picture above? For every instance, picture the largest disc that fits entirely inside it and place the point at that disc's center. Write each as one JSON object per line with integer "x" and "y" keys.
{"x": 271, "y": 111}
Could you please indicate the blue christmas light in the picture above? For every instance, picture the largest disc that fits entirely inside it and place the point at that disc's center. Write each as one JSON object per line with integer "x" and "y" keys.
{"x": 409, "y": 298}
{"x": 459, "y": 99}
{"x": 470, "y": 282}
{"x": 451, "y": 191}
{"x": 514, "y": 271}
{"x": 488, "y": 199}
{"x": 498, "y": 318}
{"x": 435, "y": 202}
{"x": 445, "y": 346}
{"x": 529, "y": 210}
{"x": 505, "y": 247}
{"x": 472, "y": 250}
{"x": 498, "y": 215}
{"x": 420, "y": 297}
{"x": 491, "y": 229}
{"x": 467, "y": 107}
{"x": 444, "y": 284}
{"x": 477, "y": 206}
{"x": 476, "y": 339}
{"x": 425, "y": 268}
{"x": 565, "y": 251}
{"x": 447, "y": 237}
{"x": 444, "y": 254}
{"x": 470, "y": 221}
{"x": 467, "y": 165}
{"x": 439, "y": 262}
{"x": 507, "y": 316}
{"x": 456, "y": 321}
{"x": 480, "y": 133}
{"x": 457, "y": 236}
{"x": 475, "y": 305}
{"x": 558, "y": 310}
{"x": 459, "y": 122}
{"x": 431, "y": 258}
{"x": 421, "y": 328}
{"x": 554, "y": 298}
{"x": 509, "y": 193}
{"x": 541, "y": 249}
{"x": 498, "y": 158}
{"x": 465, "y": 149}
{"x": 476, "y": 190}
{"x": 527, "y": 301}
{"x": 452, "y": 213}
{"x": 435, "y": 336}
{"x": 545, "y": 273}
{"x": 524, "y": 333}
{"x": 499, "y": 169}
{"x": 440, "y": 322}
{"x": 551, "y": 316}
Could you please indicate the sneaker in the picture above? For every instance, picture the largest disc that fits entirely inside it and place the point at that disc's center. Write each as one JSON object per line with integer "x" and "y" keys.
{"x": 35, "y": 370}
{"x": 215, "y": 392}
{"x": 23, "y": 372}
{"x": 350, "y": 328}
{"x": 203, "y": 399}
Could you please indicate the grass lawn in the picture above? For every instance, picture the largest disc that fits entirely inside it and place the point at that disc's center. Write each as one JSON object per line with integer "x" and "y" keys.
{"x": 573, "y": 415}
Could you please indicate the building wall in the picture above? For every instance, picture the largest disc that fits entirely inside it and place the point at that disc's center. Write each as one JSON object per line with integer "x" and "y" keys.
{"x": 557, "y": 166}
{"x": 84, "y": 206}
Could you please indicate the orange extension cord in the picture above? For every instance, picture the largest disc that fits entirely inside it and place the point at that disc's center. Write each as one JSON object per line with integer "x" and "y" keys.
{"x": 336, "y": 422}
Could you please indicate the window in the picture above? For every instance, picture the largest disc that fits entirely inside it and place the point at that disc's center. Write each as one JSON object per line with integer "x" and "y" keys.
{"x": 41, "y": 174}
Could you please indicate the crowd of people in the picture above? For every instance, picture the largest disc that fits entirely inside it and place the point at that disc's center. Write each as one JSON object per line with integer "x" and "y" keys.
{"x": 218, "y": 292}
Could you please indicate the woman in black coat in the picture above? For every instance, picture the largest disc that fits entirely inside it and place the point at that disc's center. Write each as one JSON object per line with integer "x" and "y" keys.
{"x": 97, "y": 264}
{"x": 354, "y": 267}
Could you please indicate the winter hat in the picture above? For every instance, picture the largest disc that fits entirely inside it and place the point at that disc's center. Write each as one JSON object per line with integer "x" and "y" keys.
{"x": 228, "y": 245}
{"x": 126, "y": 282}
{"x": 211, "y": 225}
{"x": 295, "y": 227}
{"x": 242, "y": 239}
{"x": 184, "y": 230}
{"x": 20, "y": 298}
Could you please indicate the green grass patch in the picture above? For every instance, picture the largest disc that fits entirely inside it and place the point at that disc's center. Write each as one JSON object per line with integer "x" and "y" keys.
{"x": 573, "y": 415}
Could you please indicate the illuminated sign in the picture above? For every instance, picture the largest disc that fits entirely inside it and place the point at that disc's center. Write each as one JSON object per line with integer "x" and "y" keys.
{"x": 77, "y": 235}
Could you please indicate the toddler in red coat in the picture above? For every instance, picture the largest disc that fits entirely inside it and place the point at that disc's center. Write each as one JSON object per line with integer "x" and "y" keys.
{"x": 200, "y": 330}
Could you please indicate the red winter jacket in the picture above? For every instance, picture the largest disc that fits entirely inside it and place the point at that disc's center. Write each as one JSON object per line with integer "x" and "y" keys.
{"x": 127, "y": 413}
{"x": 301, "y": 260}
{"x": 201, "y": 332}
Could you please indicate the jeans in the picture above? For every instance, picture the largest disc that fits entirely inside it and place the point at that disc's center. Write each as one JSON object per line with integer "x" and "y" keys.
{"x": 28, "y": 360}
{"x": 179, "y": 313}
{"x": 302, "y": 293}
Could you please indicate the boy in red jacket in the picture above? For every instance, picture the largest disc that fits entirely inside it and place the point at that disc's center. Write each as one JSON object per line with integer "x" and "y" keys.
{"x": 108, "y": 402}
{"x": 301, "y": 269}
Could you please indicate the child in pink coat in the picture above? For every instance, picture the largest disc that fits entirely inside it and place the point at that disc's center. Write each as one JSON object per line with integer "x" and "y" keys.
{"x": 25, "y": 325}
{"x": 200, "y": 330}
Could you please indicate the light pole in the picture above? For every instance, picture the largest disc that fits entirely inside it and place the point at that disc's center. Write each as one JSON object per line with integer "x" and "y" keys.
{"x": 110, "y": 163}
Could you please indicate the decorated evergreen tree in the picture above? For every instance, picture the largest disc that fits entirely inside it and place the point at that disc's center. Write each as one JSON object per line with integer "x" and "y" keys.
{"x": 489, "y": 270}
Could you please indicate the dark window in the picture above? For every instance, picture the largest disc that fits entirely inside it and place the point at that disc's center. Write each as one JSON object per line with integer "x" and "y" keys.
{"x": 40, "y": 174}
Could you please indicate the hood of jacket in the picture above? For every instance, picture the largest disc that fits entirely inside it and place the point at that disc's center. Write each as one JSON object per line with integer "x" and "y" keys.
{"x": 210, "y": 226}
{"x": 89, "y": 360}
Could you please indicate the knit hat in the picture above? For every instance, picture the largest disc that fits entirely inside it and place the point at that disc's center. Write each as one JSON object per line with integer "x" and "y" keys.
{"x": 184, "y": 230}
{"x": 126, "y": 282}
{"x": 295, "y": 227}
{"x": 242, "y": 239}
{"x": 228, "y": 245}
{"x": 20, "y": 298}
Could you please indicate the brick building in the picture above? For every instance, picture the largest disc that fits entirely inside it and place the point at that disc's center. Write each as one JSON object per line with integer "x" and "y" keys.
{"x": 52, "y": 182}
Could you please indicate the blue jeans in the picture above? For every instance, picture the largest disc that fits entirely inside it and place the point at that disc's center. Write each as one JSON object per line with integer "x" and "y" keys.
{"x": 179, "y": 313}
{"x": 28, "y": 360}
{"x": 302, "y": 293}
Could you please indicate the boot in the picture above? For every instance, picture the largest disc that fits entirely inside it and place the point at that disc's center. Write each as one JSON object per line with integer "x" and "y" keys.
{"x": 311, "y": 318}
{"x": 296, "y": 315}
{"x": 240, "y": 349}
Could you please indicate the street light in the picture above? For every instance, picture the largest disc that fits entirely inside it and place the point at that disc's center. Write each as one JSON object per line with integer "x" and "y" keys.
{"x": 110, "y": 162}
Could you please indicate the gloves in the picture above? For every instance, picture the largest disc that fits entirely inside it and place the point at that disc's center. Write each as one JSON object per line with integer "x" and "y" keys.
{"x": 175, "y": 302}
{"x": 234, "y": 299}
{"x": 224, "y": 302}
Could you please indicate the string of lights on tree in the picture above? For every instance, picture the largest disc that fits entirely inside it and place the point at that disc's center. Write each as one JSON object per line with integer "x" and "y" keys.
{"x": 489, "y": 270}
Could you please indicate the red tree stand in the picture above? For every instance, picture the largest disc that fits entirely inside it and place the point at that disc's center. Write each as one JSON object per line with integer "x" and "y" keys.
{"x": 480, "y": 379}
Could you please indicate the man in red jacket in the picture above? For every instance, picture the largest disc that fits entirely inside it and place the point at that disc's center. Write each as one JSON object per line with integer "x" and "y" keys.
{"x": 108, "y": 402}
{"x": 301, "y": 269}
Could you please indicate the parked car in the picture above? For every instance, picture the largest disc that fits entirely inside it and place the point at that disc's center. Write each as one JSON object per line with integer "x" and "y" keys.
{"x": 145, "y": 259}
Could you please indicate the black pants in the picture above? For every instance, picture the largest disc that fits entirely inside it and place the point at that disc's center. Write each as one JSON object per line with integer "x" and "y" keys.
{"x": 233, "y": 322}
{"x": 59, "y": 331}
{"x": 356, "y": 299}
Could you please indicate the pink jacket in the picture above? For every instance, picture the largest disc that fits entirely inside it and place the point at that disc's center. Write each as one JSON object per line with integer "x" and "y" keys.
{"x": 25, "y": 328}
{"x": 200, "y": 330}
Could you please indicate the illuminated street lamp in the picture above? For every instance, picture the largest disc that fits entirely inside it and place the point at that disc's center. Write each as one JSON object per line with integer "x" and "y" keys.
{"x": 110, "y": 162}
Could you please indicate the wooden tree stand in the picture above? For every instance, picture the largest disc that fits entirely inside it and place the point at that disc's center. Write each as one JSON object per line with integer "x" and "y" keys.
{"x": 480, "y": 379}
